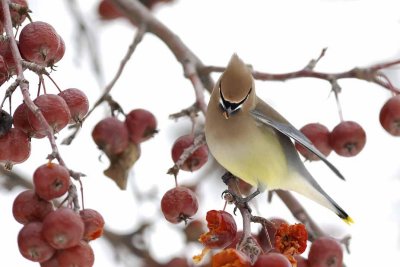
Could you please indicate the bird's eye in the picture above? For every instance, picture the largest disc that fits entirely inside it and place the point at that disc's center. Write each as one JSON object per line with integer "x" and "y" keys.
{"x": 231, "y": 106}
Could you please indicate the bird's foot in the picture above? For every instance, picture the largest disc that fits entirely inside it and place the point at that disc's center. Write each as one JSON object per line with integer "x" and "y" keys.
{"x": 239, "y": 201}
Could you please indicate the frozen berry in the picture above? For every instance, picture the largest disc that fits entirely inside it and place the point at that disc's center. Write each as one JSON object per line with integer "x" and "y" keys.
{"x": 38, "y": 43}
{"x": 77, "y": 102}
{"x": 111, "y": 135}
{"x": 63, "y": 228}
{"x": 32, "y": 245}
{"x": 272, "y": 259}
{"x": 348, "y": 138}
{"x": 196, "y": 160}
{"x": 29, "y": 207}
{"x": 179, "y": 204}
{"x": 325, "y": 252}
{"x": 54, "y": 109}
{"x": 51, "y": 180}
{"x": 389, "y": 116}
{"x": 94, "y": 224}
{"x": 318, "y": 134}
{"x": 20, "y": 120}
{"x": 15, "y": 146}
{"x": 141, "y": 125}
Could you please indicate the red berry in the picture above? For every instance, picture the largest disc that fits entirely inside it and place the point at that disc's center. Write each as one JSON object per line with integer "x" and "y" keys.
{"x": 108, "y": 11}
{"x": 77, "y": 102}
{"x": 111, "y": 136}
{"x": 193, "y": 230}
{"x": 141, "y": 125}
{"x": 179, "y": 204}
{"x": 272, "y": 260}
{"x": 32, "y": 245}
{"x": 52, "y": 262}
{"x": 17, "y": 16}
{"x": 348, "y": 138}
{"x": 318, "y": 134}
{"x": 195, "y": 161}
{"x": 4, "y": 76}
{"x": 301, "y": 261}
{"x": 80, "y": 255}
{"x": 20, "y": 120}
{"x": 59, "y": 53}
{"x": 15, "y": 146}
{"x": 28, "y": 207}
{"x": 38, "y": 43}
{"x": 94, "y": 224}
{"x": 389, "y": 116}
{"x": 222, "y": 231}
{"x": 325, "y": 252}
{"x": 51, "y": 180}
{"x": 54, "y": 110}
{"x": 5, "y": 51}
{"x": 63, "y": 228}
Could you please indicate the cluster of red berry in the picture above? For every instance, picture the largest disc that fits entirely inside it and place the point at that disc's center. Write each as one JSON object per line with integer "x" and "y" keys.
{"x": 51, "y": 236}
{"x": 54, "y": 237}
{"x": 348, "y": 138}
{"x": 120, "y": 141}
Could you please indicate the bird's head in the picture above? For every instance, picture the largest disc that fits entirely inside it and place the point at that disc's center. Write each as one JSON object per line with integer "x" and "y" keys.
{"x": 236, "y": 88}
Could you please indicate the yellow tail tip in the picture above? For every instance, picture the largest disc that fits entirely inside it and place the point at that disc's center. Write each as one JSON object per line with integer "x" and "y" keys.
{"x": 348, "y": 220}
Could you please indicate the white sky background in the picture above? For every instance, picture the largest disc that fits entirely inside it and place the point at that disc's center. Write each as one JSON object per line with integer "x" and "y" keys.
{"x": 273, "y": 36}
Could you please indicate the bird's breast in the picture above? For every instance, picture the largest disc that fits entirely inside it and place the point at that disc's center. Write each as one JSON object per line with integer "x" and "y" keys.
{"x": 249, "y": 151}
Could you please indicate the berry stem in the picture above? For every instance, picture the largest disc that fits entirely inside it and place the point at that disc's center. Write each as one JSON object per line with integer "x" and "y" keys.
{"x": 336, "y": 90}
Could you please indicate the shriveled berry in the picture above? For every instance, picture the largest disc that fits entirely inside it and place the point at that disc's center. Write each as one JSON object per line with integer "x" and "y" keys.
{"x": 77, "y": 102}
{"x": 63, "y": 228}
{"x": 54, "y": 109}
{"x": 6, "y": 122}
{"x": 389, "y": 116}
{"x": 111, "y": 135}
{"x": 196, "y": 160}
{"x": 80, "y": 255}
{"x": 318, "y": 134}
{"x": 141, "y": 125}
{"x": 32, "y": 245}
{"x": 51, "y": 180}
{"x": 179, "y": 204}
{"x": 325, "y": 252}
{"x": 38, "y": 43}
{"x": 94, "y": 224}
{"x": 272, "y": 259}
{"x": 348, "y": 138}
{"x": 29, "y": 207}
{"x": 222, "y": 229}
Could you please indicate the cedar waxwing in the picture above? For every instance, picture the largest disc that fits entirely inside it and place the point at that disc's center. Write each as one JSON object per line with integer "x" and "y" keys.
{"x": 252, "y": 141}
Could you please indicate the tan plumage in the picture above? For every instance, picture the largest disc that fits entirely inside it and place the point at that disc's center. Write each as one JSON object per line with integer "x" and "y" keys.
{"x": 252, "y": 140}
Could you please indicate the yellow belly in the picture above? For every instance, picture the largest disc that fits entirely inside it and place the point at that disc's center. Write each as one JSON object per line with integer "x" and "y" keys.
{"x": 250, "y": 152}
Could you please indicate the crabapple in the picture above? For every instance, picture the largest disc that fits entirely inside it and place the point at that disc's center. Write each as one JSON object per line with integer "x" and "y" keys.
{"x": 179, "y": 204}
{"x": 348, "y": 138}
{"x": 196, "y": 160}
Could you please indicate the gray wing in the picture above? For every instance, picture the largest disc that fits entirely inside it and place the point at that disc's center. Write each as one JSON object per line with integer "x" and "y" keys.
{"x": 291, "y": 132}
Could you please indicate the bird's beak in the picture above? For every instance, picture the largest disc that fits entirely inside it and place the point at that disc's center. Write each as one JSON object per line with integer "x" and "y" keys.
{"x": 226, "y": 114}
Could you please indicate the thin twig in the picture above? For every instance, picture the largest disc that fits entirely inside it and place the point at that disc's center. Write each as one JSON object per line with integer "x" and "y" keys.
{"x": 136, "y": 40}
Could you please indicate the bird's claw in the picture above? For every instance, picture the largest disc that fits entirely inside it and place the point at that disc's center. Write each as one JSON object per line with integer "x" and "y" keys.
{"x": 232, "y": 197}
